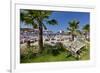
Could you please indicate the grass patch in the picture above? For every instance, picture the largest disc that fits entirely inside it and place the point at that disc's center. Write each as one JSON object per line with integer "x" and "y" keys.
{"x": 61, "y": 55}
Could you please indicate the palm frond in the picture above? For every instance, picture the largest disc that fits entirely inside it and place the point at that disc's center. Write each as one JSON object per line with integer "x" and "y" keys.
{"x": 44, "y": 26}
{"x": 86, "y": 27}
{"x": 52, "y": 22}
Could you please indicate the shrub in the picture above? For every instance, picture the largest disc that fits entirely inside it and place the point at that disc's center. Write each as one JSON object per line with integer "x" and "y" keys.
{"x": 28, "y": 53}
{"x": 60, "y": 46}
{"x": 55, "y": 51}
{"x": 47, "y": 49}
{"x": 23, "y": 56}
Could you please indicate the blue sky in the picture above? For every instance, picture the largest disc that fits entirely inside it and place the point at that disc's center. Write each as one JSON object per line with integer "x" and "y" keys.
{"x": 64, "y": 17}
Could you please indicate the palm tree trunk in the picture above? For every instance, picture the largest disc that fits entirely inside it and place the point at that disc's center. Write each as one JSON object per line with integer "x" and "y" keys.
{"x": 40, "y": 40}
{"x": 72, "y": 37}
{"x": 85, "y": 35}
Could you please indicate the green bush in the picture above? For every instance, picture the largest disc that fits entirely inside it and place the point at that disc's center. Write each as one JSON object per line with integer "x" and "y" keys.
{"x": 54, "y": 50}
{"x": 23, "y": 56}
{"x": 49, "y": 49}
{"x": 60, "y": 46}
{"x": 28, "y": 53}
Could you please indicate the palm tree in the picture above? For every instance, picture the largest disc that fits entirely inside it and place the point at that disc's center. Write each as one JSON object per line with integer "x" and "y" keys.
{"x": 86, "y": 30}
{"x": 73, "y": 28}
{"x": 38, "y": 19}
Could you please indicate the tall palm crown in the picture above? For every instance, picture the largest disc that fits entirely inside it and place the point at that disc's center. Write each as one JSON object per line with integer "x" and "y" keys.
{"x": 86, "y": 30}
{"x": 34, "y": 17}
{"x": 37, "y": 19}
{"x": 73, "y": 28}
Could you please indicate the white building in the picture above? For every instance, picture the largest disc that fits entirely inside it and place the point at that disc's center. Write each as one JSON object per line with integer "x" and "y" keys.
{"x": 48, "y": 36}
